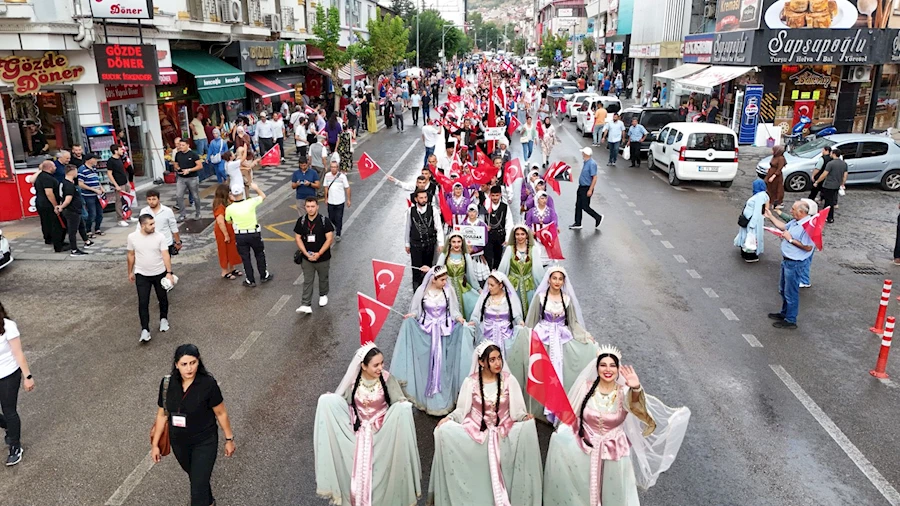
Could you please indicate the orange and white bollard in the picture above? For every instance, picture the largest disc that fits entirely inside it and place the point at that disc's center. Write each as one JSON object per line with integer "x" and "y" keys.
{"x": 878, "y": 372}
{"x": 878, "y": 328}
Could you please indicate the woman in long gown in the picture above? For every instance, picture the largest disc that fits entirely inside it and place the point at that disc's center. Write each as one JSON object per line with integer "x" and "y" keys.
{"x": 486, "y": 451}
{"x": 364, "y": 437}
{"x": 624, "y": 438}
{"x": 555, "y": 316}
{"x": 775, "y": 178}
{"x": 521, "y": 262}
{"x": 753, "y": 211}
{"x": 498, "y": 313}
{"x": 458, "y": 201}
{"x": 433, "y": 349}
{"x": 542, "y": 214}
{"x": 539, "y": 186}
{"x": 344, "y": 150}
{"x": 461, "y": 272}
{"x": 548, "y": 141}
{"x": 479, "y": 264}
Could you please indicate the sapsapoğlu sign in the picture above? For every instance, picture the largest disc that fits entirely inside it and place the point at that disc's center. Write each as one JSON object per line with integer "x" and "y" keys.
{"x": 28, "y": 75}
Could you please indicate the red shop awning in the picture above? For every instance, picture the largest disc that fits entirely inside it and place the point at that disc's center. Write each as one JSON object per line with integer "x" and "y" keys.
{"x": 167, "y": 75}
{"x": 267, "y": 86}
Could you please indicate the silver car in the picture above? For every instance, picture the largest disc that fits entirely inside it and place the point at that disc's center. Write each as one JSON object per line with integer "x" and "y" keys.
{"x": 870, "y": 159}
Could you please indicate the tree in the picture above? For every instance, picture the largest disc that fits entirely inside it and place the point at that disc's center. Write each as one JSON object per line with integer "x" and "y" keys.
{"x": 519, "y": 46}
{"x": 588, "y": 45}
{"x": 430, "y": 26}
{"x": 547, "y": 52}
{"x": 327, "y": 31}
{"x": 386, "y": 47}
{"x": 456, "y": 42}
{"x": 403, "y": 8}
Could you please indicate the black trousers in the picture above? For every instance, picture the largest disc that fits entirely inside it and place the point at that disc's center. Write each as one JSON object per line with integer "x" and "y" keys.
{"x": 831, "y": 198}
{"x": 415, "y": 115}
{"x": 245, "y": 243}
{"x": 144, "y": 283}
{"x": 198, "y": 461}
{"x": 419, "y": 255}
{"x": 583, "y": 203}
{"x": 897, "y": 240}
{"x": 9, "y": 398}
{"x": 815, "y": 189}
{"x": 336, "y": 215}
{"x": 493, "y": 250}
{"x": 51, "y": 227}
{"x": 75, "y": 226}
{"x": 635, "y": 148}
{"x": 280, "y": 142}
{"x": 265, "y": 144}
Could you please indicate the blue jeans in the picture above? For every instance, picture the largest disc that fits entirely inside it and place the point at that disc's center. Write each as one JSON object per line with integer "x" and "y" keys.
{"x": 804, "y": 272}
{"x": 428, "y": 152}
{"x": 598, "y": 133}
{"x": 221, "y": 175}
{"x": 613, "y": 151}
{"x": 92, "y": 213}
{"x": 200, "y": 146}
{"x": 527, "y": 149}
{"x": 789, "y": 288}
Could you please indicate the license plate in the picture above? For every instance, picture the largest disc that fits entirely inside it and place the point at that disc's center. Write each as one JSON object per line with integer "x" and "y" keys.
{"x": 707, "y": 168}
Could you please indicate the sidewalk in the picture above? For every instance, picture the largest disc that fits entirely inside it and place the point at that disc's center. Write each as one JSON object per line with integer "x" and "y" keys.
{"x": 27, "y": 242}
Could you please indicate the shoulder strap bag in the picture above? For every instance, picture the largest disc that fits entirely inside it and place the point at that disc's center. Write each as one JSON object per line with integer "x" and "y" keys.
{"x": 164, "y": 446}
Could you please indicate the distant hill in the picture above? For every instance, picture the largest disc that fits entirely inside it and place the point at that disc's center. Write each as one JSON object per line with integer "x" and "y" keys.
{"x": 497, "y": 11}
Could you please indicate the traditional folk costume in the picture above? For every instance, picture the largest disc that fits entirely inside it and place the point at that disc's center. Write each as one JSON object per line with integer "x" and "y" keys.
{"x": 523, "y": 267}
{"x": 532, "y": 199}
{"x": 461, "y": 274}
{"x": 502, "y": 321}
{"x": 424, "y": 235}
{"x": 459, "y": 206}
{"x": 432, "y": 352}
{"x": 495, "y": 463}
{"x": 376, "y": 462}
{"x": 539, "y": 217}
{"x": 623, "y": 444}
{"x": 499, "y": 221}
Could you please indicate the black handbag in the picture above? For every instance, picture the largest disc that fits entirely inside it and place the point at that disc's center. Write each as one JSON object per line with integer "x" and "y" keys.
{"x": 743, "y": 221}
{"x": 298, "y": 257}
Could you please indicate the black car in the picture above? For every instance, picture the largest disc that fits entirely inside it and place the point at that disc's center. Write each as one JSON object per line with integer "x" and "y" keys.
{"x": 653, "y": 119}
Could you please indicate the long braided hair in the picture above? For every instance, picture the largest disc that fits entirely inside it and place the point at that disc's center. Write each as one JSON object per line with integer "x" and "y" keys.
{"x": 485, "y": 357}
{"x": 446, "y": 304}
{"x": 374, "y": 352}
{"x": 508, "y": 302}
{"x": 591, "y": 394}
{"x": 462, "y": 251}
{"x": 562, "y": 297}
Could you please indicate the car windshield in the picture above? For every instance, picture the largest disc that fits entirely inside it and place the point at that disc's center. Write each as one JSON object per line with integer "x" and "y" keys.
{"x": 568, "y": 90}
{"x": 655, "y": 120}
{"x": 811, "y": 148}
{"x": 581, "y": 99}
{"x": 717, "y": 142}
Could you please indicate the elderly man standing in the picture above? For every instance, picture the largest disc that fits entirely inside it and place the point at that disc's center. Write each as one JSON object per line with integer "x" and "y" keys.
{"x": 62, "y": 159}
{"x": 586, "y": 182}
{"x": 796, "y": 247}
{"x": 636, "y": 136}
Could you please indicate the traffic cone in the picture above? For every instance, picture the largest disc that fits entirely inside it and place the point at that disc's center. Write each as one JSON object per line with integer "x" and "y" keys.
{"x": 878, "y": 328}
{"x": 878, "y": 372}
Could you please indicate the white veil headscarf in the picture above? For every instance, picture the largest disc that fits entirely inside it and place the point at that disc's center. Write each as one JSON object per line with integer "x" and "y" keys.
{"x": 510, "y": 292}
{"x": 353, "y": 369}
{"x": 464, "y": 401}
{"x": 567, "y": 290}
{"x": 653, "y": 454}
{"x": 535, "y": 251}
{"x": 415, "y": 305}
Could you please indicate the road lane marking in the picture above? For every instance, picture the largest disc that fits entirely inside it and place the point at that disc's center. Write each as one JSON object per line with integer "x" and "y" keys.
{"x": 281, "y": 235}
{"x": 623, "y": 195}
{"x": 888, "y": 382}
{"x": 601, "y": 172}
{"x": 680, "y": 259}
{"x": 131, "y": 482}
{"x": 631, "y": 204}
{"x": 617, "y": 189}
{"x": 754, "y": 342}
{"x": 638, "y": 213}
{"x": 655, "y": 231}
{"x": 299, "y": 280}
{"x": 246, "y": 345}
{"x": 711, "y": 293}
{"x": 729, "y": 314}
{"x": 278, "y": 305}
{"x": 667, "y": 244}
{"x": 648, "y": 223}
{"x": 879, "y": 481}
{"x": 694, "y": 274}
{"x": 379, "y": 185}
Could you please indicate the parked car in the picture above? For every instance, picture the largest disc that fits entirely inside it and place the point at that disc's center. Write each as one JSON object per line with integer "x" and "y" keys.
{"x": 870, "y": 158}
{"x": 653, "y": 119}
{"x": 561, "y": 91}
{"x": 695, "y": 151}
{"x": 6, "y": 257}
{"x": 573, "y": 103}
{"x": 584, "y": 116}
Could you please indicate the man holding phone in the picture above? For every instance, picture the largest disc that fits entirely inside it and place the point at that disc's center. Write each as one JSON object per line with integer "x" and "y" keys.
{"x": 187, "y": 167}
{"x": 305, "y": 182}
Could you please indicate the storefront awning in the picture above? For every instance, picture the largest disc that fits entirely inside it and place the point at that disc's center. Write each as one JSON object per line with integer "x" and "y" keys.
{"x": 217, "y": 81}
{"x": 682, "y": 71}
{"x": 267, "y": 86}
{"x": 167, "y": 75}
{"x": 705, "y": 80}
{"x": 349, "y": 69}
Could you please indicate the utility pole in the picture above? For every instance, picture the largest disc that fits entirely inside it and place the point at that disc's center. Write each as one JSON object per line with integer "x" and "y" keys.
{"x": 418, "y": 13}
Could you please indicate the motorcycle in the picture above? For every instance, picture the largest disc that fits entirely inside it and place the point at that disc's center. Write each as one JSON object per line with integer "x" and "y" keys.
{"x": 797, "y": 138}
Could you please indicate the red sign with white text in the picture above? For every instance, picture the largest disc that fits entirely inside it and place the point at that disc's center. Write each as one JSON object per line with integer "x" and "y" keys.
{"x": 126, "y": 64}
{"x": 121, "y": 92}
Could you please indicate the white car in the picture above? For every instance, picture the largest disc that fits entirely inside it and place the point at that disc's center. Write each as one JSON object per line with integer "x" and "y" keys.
{"x": 584, "y": 115}
{"x": 695, "y": 151}
{"x": 573, "y": 102}
{"x": 6, "y": 257}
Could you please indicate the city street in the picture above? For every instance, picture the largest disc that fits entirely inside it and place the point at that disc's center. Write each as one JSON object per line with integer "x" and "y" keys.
{"x": 778, "y": 417}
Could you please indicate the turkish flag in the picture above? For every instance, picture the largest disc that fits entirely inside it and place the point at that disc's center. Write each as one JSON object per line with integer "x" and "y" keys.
{"x": 815, "y": 225}
{"x": 492, "y": 114}
{"x": 544, "y": 385}
{"x": 272, "y": 157}
{"x": 444, "y": 181}
{"x": 446, "y": 213}
{"x": 514, "y": 124}
{"x": 372, "y": 315}
{"x": 513, "y": 172}
{"x": 551, "y": 177}
{"x": 367, "y": 166}
{"x": 540, "y": 130}
{"x": 388, "y": 276}
{"x": 549, "y": 237}
{"x": 484, "y": 172}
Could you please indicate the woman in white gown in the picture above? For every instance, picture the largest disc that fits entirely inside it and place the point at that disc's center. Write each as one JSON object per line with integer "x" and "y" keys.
{"x": 486, "y": 451}
{"x": 364, "y": 438}
{"x": 623, "y": 438}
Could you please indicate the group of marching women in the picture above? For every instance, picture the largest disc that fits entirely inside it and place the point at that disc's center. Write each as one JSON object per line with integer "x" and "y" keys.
{"x": 463, "y": 353}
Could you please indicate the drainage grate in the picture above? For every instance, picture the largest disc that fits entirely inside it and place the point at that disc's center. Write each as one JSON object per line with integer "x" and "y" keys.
{"x": 866, "y": 270}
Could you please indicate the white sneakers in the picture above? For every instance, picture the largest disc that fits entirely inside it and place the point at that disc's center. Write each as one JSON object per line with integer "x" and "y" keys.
{"x": 163, "y": 325}
{"x": 323, "y": 301}
{"x": 123, "y": 223}
{"x": 133, "y": 219}
{"x": 304, "y": 309}
{"x": 145, "y": 336}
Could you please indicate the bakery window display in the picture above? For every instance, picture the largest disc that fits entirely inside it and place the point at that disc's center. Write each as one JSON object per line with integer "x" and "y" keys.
{"x": 809, "y": 13}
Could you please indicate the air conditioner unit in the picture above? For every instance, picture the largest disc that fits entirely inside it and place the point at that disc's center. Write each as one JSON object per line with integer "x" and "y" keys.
{"x": 232, "y": 12}
{"x": 860, "y": 74}
{"x": 709, "y": 11}
{"x": 273, "y": 22}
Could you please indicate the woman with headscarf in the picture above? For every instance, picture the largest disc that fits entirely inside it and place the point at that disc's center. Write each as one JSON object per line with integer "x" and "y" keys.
{"x": 774, "y": 178}
{"x": 486, "y": 451}
{"x": 214, "y": 152}
{"x": 434, "y": 347}
{"x": 622, "y": 439}
{"x": 539, "y": 186}
{"x": 548, "y": 141}
{"x": 751, "y": 223}
{"x": 344, "y": 150}
{"x": 555, "y": 317}
{"x": 461, "y": 271}
{"x": 366, "y": 451}
{"x": 521, "y": 262}
{"x": 479, "y": 264}
{"x": 542, "y": 214}
{"x": 226, "y": 245}
{"x": 458, "y": 201}
{"x": 498, "y": 313}
{"x": 333, "y": 130}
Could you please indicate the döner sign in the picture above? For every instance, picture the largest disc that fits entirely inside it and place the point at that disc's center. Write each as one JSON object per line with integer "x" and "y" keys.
{"x": 126, "y": 64}
{"x": 121, "y": 9}
{"x": 28, "y": 75}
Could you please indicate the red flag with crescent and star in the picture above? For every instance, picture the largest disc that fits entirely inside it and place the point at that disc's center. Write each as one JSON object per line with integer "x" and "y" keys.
{"x": 388, "y": 276}
{"x": 552, "y": 176}
{"x": 544, "y": 385}
{"x": 272, "y": 157}
{"x": 513, "y": 172}
{"x": 484, "y": 171}
{"x": 372, "y": 315}
{"x": 549, "y": 237}
{"x": 367, "y": 166}
{"x": 444, "y": 181}
{"x": 514, "y": 124}
{"x": 492, "y": 115}
{"x": 815, "y": 225}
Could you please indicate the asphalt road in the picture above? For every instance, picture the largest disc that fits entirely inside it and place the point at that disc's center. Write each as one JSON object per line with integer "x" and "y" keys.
{"x": 779, "y": 417}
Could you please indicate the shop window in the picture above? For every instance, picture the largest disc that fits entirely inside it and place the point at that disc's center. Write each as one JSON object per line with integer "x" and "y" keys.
{"x": 870, "y": 149}
{"x": 848, "y": 151}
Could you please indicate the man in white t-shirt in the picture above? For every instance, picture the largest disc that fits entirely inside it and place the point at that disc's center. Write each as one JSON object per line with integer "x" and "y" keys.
{"x": 166, "y": 224}
{"x": 430, "y": 134}
{"x": 148, "y": 264}
{"x": 337, "y": 195}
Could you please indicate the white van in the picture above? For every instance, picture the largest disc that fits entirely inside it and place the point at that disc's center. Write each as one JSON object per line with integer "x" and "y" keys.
{"x": 695, "y": 151}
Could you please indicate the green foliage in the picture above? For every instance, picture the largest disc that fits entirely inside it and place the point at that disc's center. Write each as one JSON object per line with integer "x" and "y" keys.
{"x": 404, "y": 8}
{"x": 589, "y": 46}
{"x": 547, "y": 51}
{"x": 387, "y": 44}
{"x": 327, "y": 31}
{"x": 430, "y": 25}
{"x": 519, "y": 46}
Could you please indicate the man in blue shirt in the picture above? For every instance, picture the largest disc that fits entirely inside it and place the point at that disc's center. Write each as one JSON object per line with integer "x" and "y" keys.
{"x": 586, "y": 182}
{"x": 796, "y": 246}
{"x": 62, "y": 159}
{"x": 89, "y": 182}
{"x": 636, "y": 135}
{"x": 305, "y": 182}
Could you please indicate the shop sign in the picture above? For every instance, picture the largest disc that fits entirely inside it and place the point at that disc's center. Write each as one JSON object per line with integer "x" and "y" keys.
{"x": 808, "y": 77}
{"x": 609, "y": 48}
{"x": 122, "y": 92}
{"x": 698, "y": 48}
{"x": 893, "y": 48}
{"x": 292, "y": 53}
{"x": 836, "y": 47}
{"x": 6, "y": 168}
{"x": 257, "y": 56}
{"x": 204, "y": 83}
{"x": 122, "y": 9}
{"x": 735, "y": 48}
{"x": 750, "y": 113}
{"x": 564, "y": 13}
{"x": 732, "y": 15}
{"x": 618, "y": 47}
{"x": 28, "y": 75}
{"x": 126, "y": 64}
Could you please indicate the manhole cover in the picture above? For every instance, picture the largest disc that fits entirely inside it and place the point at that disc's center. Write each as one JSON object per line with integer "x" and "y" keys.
{"x": 866, "y": 270}
{"x": 194, "y": 226}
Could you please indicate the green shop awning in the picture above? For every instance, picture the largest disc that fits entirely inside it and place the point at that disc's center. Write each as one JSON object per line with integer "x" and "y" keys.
{"x": 217, "y": 81}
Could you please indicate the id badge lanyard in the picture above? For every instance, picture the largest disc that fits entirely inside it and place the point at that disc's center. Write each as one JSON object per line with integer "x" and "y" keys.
{"x": 311, "y": 236}
{"x": 179, "y": 419}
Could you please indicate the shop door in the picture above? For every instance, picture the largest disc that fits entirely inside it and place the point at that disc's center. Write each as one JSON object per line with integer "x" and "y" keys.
{"x": 129, "y": 117}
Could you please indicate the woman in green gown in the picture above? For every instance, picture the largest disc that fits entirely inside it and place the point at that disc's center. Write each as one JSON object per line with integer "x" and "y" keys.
{"x": 461, "y": 272}
{"x": 521, "y": 263}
